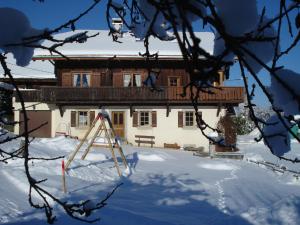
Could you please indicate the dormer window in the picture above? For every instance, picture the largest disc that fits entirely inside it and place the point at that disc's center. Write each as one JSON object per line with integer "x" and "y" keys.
{"x": 81, "y": 80}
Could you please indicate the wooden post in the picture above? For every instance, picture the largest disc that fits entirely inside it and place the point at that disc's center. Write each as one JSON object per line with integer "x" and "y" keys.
{"x": 118, "y": 144}
{"x": 82, "y": 141}
{"x": 122, "y": 155}
{"x": 63, "y": 176}
{"x": 108, "y": 135}
{"x": 92, "y": 140}
{"x": 112, "y": 151}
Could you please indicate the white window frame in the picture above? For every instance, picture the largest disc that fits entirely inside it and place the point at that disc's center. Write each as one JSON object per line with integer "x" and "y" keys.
{"x": 83, "y": 125}
{"x": 149, "y": 119}
{"x": 130, "y": 79}
{"x": 185, "y": 114}
{"x": 74, "y": 81}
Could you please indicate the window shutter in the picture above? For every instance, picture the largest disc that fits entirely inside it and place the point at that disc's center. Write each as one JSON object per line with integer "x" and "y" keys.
{"x": 66, "y": 79}
{"x": 135, "y": 119}
{"x": 154, "y": 120}
{"x": 95, "y": 80}
{"x": 180, "y": 119}
{"x": 73, "y": 118}
{"x": 92, "y": 117}
{"x": 118, "y": 79}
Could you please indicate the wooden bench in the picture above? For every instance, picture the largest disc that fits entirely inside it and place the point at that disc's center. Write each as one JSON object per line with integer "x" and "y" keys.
{"x": 145, "y": 139}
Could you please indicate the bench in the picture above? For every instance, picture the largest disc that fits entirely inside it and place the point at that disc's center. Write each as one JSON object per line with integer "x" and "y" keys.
{"x": 145, "y": 139}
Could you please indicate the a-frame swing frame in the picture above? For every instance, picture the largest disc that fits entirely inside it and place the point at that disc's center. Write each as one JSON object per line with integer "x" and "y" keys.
{"x": 108, "y": 135}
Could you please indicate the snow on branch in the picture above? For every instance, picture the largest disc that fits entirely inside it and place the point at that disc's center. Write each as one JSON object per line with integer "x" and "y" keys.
{"x": 243, "y": 33}
{"x": 20, "y": 39}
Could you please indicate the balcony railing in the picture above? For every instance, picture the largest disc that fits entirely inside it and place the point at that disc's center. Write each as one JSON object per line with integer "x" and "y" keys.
{"x": 125, "y": 95}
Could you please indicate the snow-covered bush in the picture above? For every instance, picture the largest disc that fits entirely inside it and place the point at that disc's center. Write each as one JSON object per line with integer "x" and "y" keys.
{"x": 243, "y": 125}
{"x": 243, "y": 119}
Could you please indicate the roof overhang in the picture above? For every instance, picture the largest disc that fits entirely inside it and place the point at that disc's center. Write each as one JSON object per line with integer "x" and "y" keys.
{"x": 103, "y": 57}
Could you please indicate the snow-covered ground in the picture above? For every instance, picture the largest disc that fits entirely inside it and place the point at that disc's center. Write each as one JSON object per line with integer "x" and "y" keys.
{"x": 162, "y": 187}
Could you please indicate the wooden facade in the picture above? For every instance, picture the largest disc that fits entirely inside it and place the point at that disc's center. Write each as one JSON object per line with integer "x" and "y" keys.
{"x": 131, "y": 96}
{"x": 114, "y": 77}
{"x": 106, "y": 85}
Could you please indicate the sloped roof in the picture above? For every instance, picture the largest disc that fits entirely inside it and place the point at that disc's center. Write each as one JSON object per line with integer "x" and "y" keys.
{"x": 36, "y": 69}
{"x": 102, "y": 46}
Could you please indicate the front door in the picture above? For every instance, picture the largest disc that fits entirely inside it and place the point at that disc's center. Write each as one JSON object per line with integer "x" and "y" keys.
{"x": 118, "y": 123}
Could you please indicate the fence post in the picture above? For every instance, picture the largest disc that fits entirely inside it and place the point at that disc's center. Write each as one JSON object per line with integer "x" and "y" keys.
{"x": 63, "y": 176}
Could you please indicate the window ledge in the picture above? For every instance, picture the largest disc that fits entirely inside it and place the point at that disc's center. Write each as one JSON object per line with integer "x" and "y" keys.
{"x": 81, "y": 128}
{"x": 189, "y": 127}
{"x": 145, "y": 127}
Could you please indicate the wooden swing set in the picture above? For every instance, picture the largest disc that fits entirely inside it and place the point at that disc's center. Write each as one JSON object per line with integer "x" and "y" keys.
{"x": 109, "y": 135}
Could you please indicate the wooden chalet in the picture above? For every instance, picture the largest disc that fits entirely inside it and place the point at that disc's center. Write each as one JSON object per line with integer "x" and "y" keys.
{"x": 95, "y": 78}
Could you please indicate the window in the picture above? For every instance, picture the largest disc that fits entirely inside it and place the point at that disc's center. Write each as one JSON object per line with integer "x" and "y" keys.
{"x": 137, "y": 80}
{"x": 189, "y": 119}
{"x": 83, "y": 119}
{"x": 81, "y": 80}
{"x": 174, "y": 81}
{"x": 144, "y": 118}
{"x": 127, "y": 80}
{"x": 132, "y": 80}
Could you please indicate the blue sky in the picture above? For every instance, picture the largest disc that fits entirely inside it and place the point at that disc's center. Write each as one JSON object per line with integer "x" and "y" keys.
{"x": 52, "y": 13}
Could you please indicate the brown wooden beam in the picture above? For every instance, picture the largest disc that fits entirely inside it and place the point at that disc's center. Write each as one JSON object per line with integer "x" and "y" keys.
{"x": 61, "y": 110}
{"x": 131, "y": 110}
{"x": 168, "y": 110}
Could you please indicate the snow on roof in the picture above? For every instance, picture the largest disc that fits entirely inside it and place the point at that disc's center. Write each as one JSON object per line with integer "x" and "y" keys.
{"x": 100, "y": 46}
{"x": 103, "y": 46}
{"x": 36, "y": 69}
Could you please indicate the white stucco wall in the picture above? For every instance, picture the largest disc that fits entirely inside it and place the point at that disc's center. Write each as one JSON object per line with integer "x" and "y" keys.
{"x": 58, "y": 123}
{"x": 167, "y": 130}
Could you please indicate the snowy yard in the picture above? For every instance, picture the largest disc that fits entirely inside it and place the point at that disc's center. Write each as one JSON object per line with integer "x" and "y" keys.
{"x": 162, "y": 187}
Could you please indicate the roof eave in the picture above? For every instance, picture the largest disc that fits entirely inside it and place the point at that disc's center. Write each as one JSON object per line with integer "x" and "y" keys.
{"x": 104, "y": 57}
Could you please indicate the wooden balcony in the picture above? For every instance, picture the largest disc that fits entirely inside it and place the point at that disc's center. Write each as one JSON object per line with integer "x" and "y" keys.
{"x": 130, "y": 95}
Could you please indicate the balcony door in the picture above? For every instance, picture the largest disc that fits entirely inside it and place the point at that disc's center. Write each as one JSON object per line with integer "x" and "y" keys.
{"x": 118, "y": 123}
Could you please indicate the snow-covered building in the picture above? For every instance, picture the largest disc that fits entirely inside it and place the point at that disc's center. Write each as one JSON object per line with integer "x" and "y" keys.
{"x": 101, "y": 74}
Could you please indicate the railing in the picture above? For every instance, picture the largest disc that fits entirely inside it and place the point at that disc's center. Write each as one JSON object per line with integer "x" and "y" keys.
{"x": 131, "y": 95}
{"x": 30, "y": 96}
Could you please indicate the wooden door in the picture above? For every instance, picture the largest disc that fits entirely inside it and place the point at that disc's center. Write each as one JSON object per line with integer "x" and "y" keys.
{"x": 118, "y": 122}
